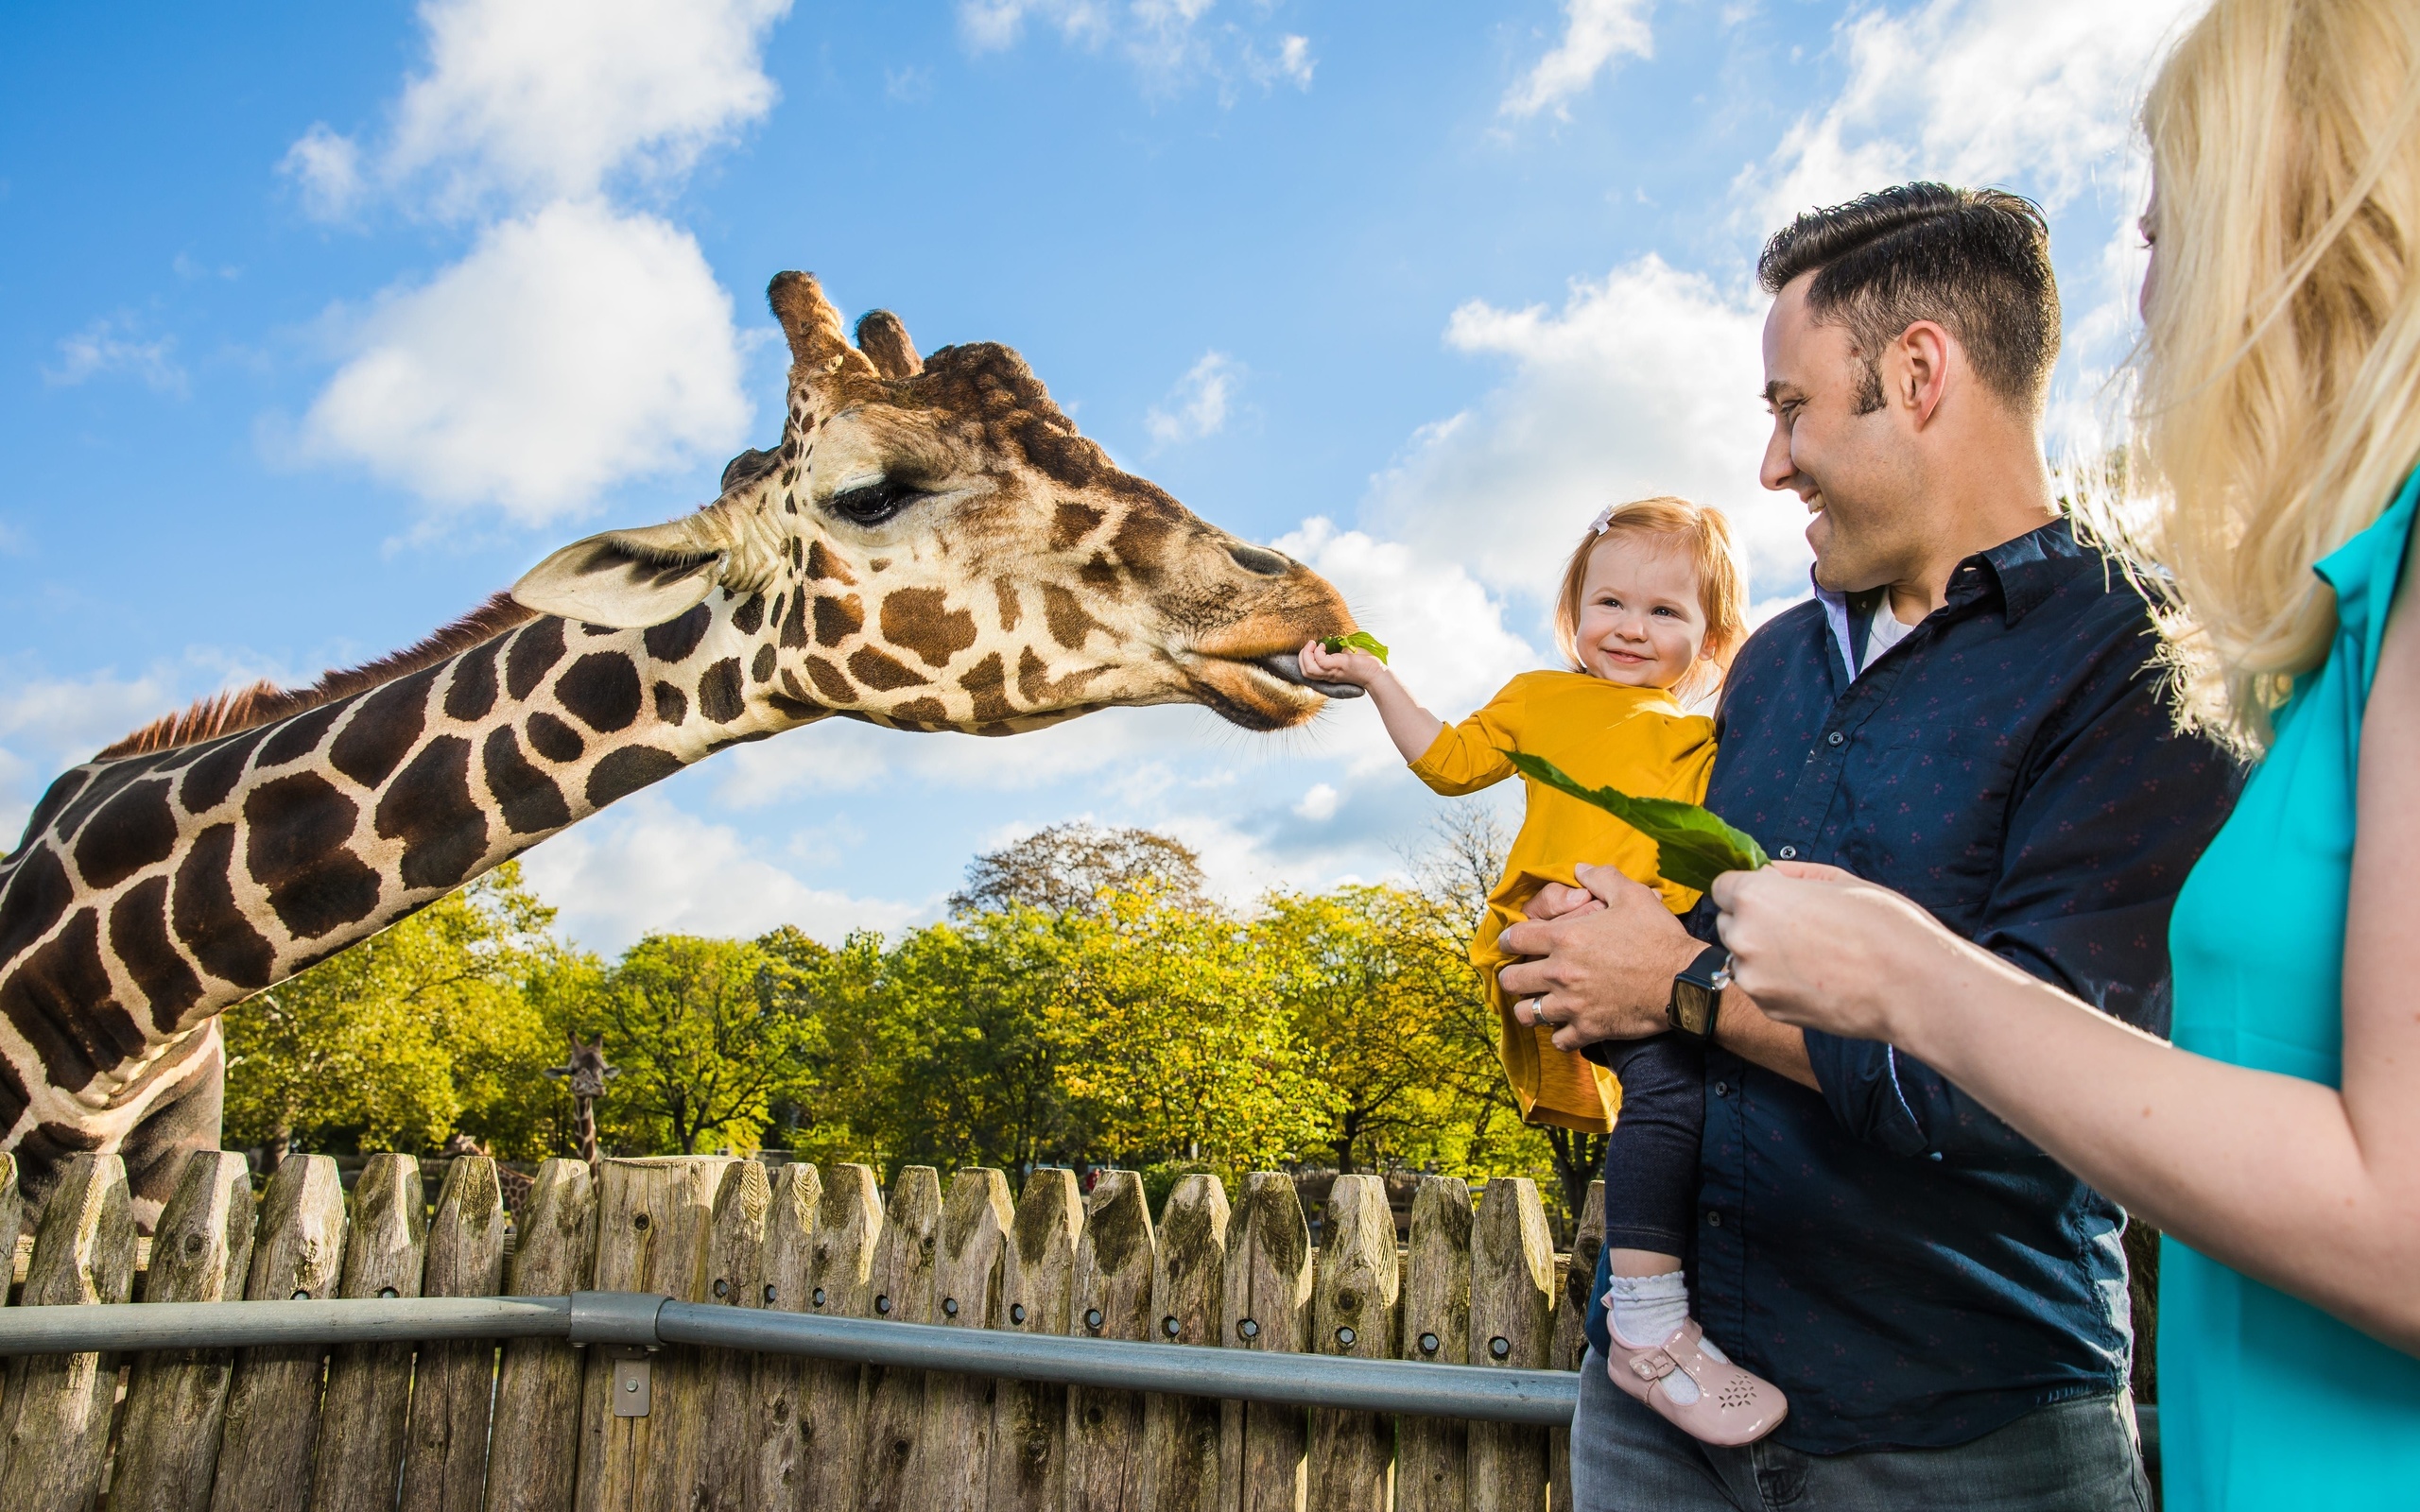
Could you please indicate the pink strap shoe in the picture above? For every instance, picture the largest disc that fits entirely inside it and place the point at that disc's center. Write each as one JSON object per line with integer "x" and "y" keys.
{"x": 1733, "y": 1407}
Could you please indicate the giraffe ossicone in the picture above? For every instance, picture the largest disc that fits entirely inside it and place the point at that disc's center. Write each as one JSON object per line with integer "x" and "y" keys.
{"x": 930, "y": 546}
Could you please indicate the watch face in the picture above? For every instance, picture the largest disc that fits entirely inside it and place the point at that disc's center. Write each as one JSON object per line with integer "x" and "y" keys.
{"x": 1692, "y": 1008}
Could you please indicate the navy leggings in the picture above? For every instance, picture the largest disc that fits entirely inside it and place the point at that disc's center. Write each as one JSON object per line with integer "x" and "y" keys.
{"x": 1651, "y": 1156}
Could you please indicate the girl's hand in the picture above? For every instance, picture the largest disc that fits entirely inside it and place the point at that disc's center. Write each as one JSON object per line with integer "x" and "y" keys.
{"x": 1818, "y": 948}
{"x": 1358, "y": 668}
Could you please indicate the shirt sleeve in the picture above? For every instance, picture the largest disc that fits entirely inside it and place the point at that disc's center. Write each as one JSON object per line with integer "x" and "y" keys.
{"x": 2114, "y": 809}
{"x": 1466, "y": 757}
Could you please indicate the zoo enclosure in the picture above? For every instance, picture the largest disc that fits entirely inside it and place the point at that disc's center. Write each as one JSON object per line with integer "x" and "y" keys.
{"x": 462, "y": 1423}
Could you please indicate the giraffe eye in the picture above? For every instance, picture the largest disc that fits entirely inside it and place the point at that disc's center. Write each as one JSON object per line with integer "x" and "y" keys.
{"x": 871, "y": 504}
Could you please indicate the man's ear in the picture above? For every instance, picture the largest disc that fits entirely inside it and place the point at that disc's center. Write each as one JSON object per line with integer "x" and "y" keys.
{"x": 1923, "y": 350}
{"x": 628, "y": 579}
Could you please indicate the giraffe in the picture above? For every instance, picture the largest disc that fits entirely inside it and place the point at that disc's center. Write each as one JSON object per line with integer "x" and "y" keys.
{"x": 932, "y": 546}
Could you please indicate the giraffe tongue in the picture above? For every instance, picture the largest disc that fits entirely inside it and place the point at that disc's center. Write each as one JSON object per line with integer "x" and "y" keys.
{"x": 1286, "y": 668}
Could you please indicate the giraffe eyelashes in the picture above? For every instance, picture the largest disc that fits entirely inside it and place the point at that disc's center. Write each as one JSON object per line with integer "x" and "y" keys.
{"x": 871, "y": 504}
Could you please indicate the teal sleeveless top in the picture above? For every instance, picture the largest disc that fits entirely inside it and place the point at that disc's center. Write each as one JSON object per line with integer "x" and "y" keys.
{"x": 2266, "y": 1401}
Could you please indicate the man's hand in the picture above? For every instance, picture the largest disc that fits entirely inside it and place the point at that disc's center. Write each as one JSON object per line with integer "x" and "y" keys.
{"x": 1601, "y": 973}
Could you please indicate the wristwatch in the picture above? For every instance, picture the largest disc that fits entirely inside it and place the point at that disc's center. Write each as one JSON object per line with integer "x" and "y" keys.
{"x": 1697, "y": 993}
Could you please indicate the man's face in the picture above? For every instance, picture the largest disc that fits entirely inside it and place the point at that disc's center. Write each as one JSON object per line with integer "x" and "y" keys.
{"x": 1855, "y": 472}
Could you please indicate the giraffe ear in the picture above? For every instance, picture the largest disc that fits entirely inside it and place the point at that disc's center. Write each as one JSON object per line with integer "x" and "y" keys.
{"x": 628, "y": 579}
{"x": 883, "y": 338}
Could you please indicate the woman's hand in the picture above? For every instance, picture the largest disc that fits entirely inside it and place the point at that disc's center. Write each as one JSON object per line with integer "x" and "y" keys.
{"x": 1358, "y": 668}
{"x": 1818, "y": 948}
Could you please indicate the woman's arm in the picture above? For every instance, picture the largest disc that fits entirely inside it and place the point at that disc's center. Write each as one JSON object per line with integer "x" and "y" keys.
{"x": 2312, "y": 1189}
{"x": 1413, "y": 728}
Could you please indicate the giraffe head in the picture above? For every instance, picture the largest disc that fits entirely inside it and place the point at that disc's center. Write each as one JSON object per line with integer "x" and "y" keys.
{"x": 932, "y": 545}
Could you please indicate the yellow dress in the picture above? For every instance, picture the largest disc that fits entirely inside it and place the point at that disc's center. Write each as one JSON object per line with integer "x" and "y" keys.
{"x": 1606, "y": 735}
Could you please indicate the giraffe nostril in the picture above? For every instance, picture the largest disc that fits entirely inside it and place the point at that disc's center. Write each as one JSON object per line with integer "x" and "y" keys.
{"x": 1260, "y": 561}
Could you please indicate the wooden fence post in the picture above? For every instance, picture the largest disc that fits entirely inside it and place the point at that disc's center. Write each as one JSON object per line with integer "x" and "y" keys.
{"x": 57, "y": 1410}
{"x": 1037, "y": 1275}
{"x": 1267, "y": 1306}
{"x": 168, "y": 1442}
{"x": 653, "y": 1216}
{"x": 1432, "y": 1454}
{"x": 777, "y": 1408}
{"x": 1512, "y": 1326}
{"x": 954, "y": 1459}
{"x": 445, "y": 1453}
{"x": 1571, "y": 1330}
{"x": 902, "y": 1293}
{"x": 272, "y": 1419}
{"x": 1189, "y": 1281}
{"x": 533, "y": 1457}
{"x": 734, "y": 1263}
{"x": 1354, "y": 1315}
{"x": 848, "y": 1229}
{"x": 370, "y": 1385}
{"x": 1110, "y": 1299}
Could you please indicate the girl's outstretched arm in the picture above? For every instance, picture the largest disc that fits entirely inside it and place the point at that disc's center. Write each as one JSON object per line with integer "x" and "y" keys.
{"x": 1413, "y": 728}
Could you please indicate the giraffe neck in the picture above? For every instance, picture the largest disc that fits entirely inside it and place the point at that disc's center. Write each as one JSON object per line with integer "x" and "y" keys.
{"x": 153, "y": 892}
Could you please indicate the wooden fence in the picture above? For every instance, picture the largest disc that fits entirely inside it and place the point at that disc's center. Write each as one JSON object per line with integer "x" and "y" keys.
{"x": 529, "y": 1427}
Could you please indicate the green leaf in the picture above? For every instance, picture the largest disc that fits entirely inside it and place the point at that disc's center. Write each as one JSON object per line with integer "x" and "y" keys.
{"x": 1692, "y": 843}
{"x": 1358, "y": 641}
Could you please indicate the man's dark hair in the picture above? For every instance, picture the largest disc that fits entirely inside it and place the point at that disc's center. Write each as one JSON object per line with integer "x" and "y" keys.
{"x": 1977, "y": 261}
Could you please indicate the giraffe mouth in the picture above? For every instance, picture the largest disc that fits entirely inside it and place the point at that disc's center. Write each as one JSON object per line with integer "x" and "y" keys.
{"x": 1286, "y": 667}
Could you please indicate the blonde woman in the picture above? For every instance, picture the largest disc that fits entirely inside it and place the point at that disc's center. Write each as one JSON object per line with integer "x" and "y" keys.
{"x": 2278, "y": 1140}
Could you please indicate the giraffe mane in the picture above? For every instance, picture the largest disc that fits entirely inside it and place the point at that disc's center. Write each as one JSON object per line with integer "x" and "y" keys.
{"x": 264, "y": 702}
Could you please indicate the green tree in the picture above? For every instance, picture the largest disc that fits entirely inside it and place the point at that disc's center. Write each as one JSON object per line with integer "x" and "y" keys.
{"x": 1064, "y": 868}
{"x": 708, "y": 1034}
{"x": 413, "y": 1034}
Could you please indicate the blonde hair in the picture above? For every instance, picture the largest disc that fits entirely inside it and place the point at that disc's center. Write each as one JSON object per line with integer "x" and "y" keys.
{"x": 1723, "y": 578}
{"x": 2278, "y": 399}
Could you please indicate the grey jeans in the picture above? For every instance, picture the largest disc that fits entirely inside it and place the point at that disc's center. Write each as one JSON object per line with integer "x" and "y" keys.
{"x": 2076, "y": 1456}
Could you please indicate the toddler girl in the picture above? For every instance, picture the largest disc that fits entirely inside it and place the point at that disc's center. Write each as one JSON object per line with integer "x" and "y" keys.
{"x": 1653, "y": 607}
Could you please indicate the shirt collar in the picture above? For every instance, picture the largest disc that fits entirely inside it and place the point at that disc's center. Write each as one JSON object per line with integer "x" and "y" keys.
{"x": 2028, "y": 570}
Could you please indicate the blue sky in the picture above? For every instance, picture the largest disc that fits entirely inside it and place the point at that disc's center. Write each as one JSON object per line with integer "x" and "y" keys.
{"x": 318, "y": 324}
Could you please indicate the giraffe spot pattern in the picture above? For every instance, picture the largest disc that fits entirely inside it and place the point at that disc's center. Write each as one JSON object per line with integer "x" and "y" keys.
{"x": 203, "y": 909}
{"x": 1011, "y": 610}
{"x": 472, "y": 693}
{"x": 623, "y": 772}
{"x": 139, "y": 938}
{"x": 295, "y": 832}
{"x": 1071, "y": 523}
{"x": 428, "y": 808}
{"x": 528, "y": 798}
{"x": 1038, "y": 687}
{"x": 792, "y": 708}
{"x": 671, "y": 704}
{"x": 553, "y": 739}
{"x": 882, "y": 672}
{"x": 988, "y": 680}
{"x": 536, "y": 648}
{"x": 13, "y": 1097}
{"x": 601, "y": 690}
{"x": 749, "y": 615}
{"x": 829, "y": 679}
{"x": 919, "y": 620}
{"x": 37, "y": 894}
{"x": 1142, "y": 538}
{"x": 823, "y": 567}
{"x": 673, "y": 639}
{"x": 837, "y": 619}
{"x": 761, "y": 670}
{"x": 56, "y": 797}
{"x": 1065, "y": 614}
{"x": 137, "y": 829}
{"x": 922, "y": 714}
{"x": 63, "y": 1002}
{"x": 1100, "y": 574}
{"x": 384, "y": 728}
{"x": 296, "y": 737}
{"x": 794, "y": 626}
{"x": 208, "y": 780}
{"x": 719, "y": 691}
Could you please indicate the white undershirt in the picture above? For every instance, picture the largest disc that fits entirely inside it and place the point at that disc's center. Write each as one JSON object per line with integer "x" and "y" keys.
{"x": 1883, "y": 632}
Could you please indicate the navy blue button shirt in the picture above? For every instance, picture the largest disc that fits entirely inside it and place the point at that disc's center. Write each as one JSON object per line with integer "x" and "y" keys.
{"x": 1898, "y": 1260}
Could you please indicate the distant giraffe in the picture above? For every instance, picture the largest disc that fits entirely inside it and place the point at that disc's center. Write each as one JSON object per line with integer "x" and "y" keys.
{"x": 932, "y": 546}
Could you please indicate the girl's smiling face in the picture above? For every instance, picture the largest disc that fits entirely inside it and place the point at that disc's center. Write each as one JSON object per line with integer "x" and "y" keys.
{"x": 1642, "y": 622}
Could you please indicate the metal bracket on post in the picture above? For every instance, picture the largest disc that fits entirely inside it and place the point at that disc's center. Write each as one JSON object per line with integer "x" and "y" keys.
{"x": 624, "y": 1323}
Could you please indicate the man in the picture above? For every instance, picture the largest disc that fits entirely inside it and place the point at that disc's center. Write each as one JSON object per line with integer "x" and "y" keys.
{"x": 1966, "y": 713}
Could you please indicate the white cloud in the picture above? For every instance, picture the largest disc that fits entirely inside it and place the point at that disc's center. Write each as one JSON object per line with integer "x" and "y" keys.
{"x": 573, "y": 347}
{"x": 1171, "y": 42}
{"x": 1197, "y": 406}
{"x": 326, "y": 166}
{"x": 49, "y": 724}
{"x": 646, "y": 865}
{"x": 1319, "y": 805}
{"x": 1596, "y": 33}
{"x": 1292, "y": 63}
{"x": 1645, "y": 381}
{"x": 108, "y": 347}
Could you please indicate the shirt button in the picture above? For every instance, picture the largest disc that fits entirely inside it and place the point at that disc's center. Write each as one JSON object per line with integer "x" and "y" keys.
{"x": 1834, "y": 738}
{"x": 1787, "y": 852}
{"x": 1722, "y": 1088}
{"x": 1714, "y": 1220}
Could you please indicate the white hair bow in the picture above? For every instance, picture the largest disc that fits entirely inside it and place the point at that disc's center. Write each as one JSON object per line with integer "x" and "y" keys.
{"x": 1604, "y": 520}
